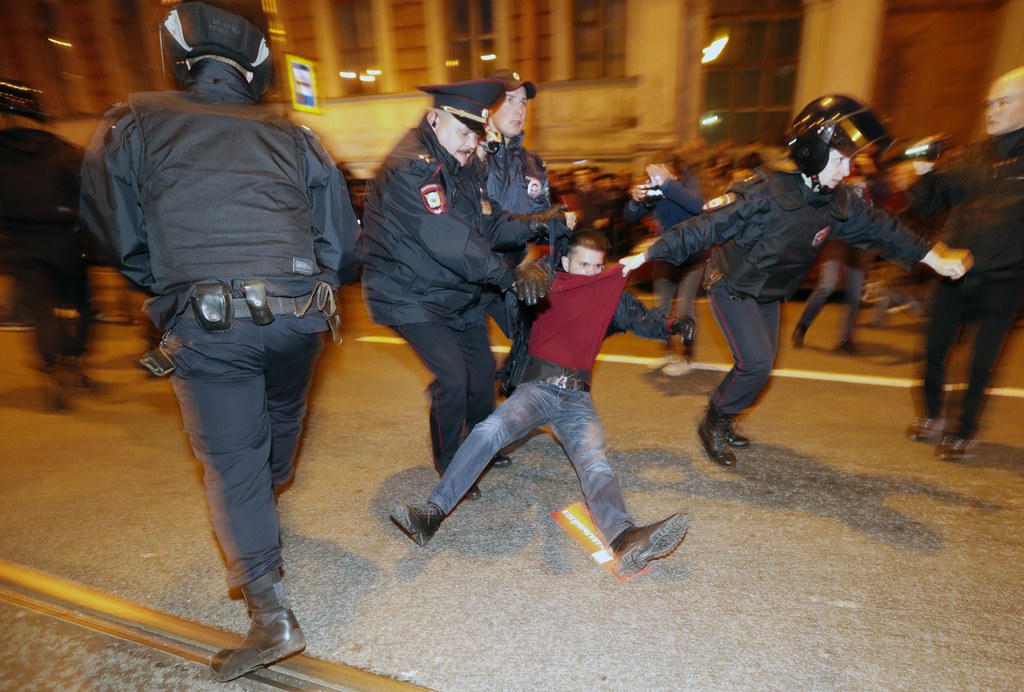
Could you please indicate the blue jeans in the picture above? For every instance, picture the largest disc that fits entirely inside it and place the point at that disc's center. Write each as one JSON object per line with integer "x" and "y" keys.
{"x": 572, "y": 417}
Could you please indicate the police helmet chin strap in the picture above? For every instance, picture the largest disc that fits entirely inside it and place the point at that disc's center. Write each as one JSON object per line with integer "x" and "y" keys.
{"x": 815, "y": 184}
{"x": 248, "y": 74}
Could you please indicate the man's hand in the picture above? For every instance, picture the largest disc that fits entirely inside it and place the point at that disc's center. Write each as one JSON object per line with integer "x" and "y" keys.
{"x": 557, "y": 214}
{"x": 684, "y": 326}
{"x": 632, "y": 262}
{"x": 533, "y": 281}
{"x": 944, "y": 261}
{"x": 659, "y": 173}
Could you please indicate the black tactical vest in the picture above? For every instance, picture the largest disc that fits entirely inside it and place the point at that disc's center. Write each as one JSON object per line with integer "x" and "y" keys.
{"x": 223, "y": 192}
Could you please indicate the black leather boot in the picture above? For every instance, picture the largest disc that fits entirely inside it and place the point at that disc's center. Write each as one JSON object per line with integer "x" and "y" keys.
{"x": 274, "y": 634}
{"x": 419, "y": 521}
{"x": 712, "y": 432}
{"x": 636, "y": 546}
{"x": 734, "y": 438}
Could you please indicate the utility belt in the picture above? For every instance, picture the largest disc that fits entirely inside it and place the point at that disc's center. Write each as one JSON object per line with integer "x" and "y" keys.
{"x": 215, "y": 309}
{"x": 538, "y": 369}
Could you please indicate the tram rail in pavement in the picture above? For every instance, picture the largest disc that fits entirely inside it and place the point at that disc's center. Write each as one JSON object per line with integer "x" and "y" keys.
{"x": 116, "y": 617}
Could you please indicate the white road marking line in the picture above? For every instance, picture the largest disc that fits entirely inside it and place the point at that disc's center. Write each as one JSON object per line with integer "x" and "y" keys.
{"x": 792, "y": 373}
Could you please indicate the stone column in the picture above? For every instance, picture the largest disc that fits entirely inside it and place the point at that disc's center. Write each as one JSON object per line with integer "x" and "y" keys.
{"x": 839, "y": 49}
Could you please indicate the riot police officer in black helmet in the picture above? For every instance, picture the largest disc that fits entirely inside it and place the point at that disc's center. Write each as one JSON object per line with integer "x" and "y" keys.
{"x": 765, "y": 234}
{"x": 39, "y": 180}
{"x": 238, "y": 224}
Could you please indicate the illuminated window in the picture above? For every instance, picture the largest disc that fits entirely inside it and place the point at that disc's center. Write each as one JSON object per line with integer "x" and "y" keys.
{"x": 357, "y": 50}
{"x": 599, "y": 39}
{"x": 751, "y": 85}
{"x": 470, "y": 38}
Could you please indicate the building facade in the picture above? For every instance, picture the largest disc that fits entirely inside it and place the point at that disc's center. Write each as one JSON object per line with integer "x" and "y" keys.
{"x": 619, "y": 79}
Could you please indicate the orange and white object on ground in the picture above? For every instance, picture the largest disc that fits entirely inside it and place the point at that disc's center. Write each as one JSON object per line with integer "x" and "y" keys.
{"x": 575, "y": 520}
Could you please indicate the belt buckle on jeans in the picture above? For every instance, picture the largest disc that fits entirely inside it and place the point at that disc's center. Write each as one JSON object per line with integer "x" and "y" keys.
{"x": 562, "y": 381}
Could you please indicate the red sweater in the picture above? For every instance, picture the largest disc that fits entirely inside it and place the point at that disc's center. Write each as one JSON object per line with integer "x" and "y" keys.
{"x": 573, "y": 321}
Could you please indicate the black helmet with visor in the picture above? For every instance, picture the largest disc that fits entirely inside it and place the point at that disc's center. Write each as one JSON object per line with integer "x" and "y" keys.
{"x": 192, "y": 30}
{"x": 833, "y": 122}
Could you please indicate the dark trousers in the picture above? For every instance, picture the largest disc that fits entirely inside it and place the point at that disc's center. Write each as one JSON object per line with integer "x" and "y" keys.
{"x": 752, "y": 331}
{"x": 462, "y": 393}
{"x": 243, "y": 400}
{"x": 991, "y": 308}
{"x": 44, "y": 287}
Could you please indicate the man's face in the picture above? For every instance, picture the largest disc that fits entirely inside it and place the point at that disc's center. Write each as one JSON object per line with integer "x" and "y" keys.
{"x": 584, "y": 261}
{"x": 837, "y": 168}
{"x": 454, "y": 135}
{"x": 1004, "y": 108}
{"x": 510, "y": 117}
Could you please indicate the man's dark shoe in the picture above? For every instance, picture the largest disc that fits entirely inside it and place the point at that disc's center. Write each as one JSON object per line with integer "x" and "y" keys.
{"x": 500, "y": 460}
{"x": 419, "y": 521}
{"x": 798, "y": 336}
{"x": 473, "y": 493}
{"x": 273, "y": 635}
{"x": 712, "y": 434}
{"x": 952, "y": 448}
{"x": 635, "y": 547}
{"x": 925, "y": 429}
{"x": 847, "y": 347}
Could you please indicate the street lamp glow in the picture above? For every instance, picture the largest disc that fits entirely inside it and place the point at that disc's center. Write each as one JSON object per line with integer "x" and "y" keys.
{"x": 367, "y": 78}
{"x": 489, "y": 56}
{"x": 714, "y": 50}
{"x": 347, "y": 75}
{"x": 710, "y": 120}
{"x": 375, "y": 73}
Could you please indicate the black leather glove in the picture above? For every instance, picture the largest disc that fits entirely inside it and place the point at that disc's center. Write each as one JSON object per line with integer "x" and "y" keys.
{"x": 684, "y": 326}
{"x": 539, "y": 222}
{"x": 533, "y": 281}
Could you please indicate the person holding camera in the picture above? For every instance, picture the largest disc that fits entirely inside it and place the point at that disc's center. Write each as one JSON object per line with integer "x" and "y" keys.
{"x": 554, "y": 357}
{"x": 767, "y": 232}
{"x": 983, "y": 189}
{"x": 238, "y": 224}
{"x": 671, "y": 199}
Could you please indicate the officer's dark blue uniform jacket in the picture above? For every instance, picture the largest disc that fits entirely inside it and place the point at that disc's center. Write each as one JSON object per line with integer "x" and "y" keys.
{"x": 517, "y": 178}
{"x": 170, "y": 197}
{"x": 427, "y": 243}
{"x": 768, "y": 229}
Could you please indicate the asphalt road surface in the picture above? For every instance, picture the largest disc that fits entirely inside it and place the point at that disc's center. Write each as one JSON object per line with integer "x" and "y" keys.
{"x": 837, "y": 555}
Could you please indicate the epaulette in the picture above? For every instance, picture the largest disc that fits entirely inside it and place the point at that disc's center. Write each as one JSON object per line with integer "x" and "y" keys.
{"x": 720, "y": 201}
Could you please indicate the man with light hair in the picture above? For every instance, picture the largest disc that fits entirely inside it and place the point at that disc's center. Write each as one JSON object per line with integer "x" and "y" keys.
{"x": 983, "y": 186}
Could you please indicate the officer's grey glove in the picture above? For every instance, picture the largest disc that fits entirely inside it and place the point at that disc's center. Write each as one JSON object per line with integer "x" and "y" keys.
{"x": 684, "y": 326}
{"x": 533, "y": 281}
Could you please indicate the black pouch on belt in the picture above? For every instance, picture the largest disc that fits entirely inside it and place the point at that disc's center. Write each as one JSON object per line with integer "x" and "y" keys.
{"x": 211, "y": 304}
{"x": 256, "y": 299}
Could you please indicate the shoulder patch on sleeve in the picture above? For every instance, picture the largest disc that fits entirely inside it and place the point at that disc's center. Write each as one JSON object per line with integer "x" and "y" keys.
{"x": 721, "y": 201}
{"x": 433, "y": 198}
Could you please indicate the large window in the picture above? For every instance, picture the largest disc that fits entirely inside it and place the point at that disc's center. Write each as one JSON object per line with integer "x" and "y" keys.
{"x": 599, "y": 38}
{"x": 749, "y": 87}
{"x": 471, "y": 46}
{"x": 357, "y": 59}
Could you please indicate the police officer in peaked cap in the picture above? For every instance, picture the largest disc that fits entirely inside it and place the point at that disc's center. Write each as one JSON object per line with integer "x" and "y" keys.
{"x": 238, "y": 224}
{"x": 429, "y": 243}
